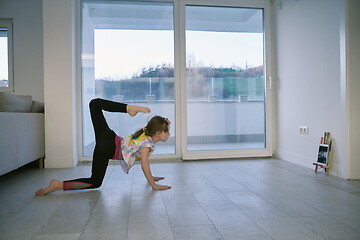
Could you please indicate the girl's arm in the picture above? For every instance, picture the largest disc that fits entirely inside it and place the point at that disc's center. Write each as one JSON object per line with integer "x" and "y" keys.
{"x": 145, "y": 166}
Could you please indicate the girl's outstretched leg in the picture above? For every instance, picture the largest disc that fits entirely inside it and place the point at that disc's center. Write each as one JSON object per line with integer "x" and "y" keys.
{"x": 53, "y": 186}
{"x": 96, "y": 111}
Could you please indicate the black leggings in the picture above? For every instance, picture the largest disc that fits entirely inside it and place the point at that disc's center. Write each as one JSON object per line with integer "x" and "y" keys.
{"x": 104, "y": 144}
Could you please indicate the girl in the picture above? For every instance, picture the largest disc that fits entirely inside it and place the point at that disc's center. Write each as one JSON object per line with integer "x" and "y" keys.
{"x": 109, "y": 145}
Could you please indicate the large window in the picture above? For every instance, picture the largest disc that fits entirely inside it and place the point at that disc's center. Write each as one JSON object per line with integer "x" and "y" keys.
{"x": 225, "y": 78}
{"x": 201, "y": 63}
{"x": 6, "y": 55}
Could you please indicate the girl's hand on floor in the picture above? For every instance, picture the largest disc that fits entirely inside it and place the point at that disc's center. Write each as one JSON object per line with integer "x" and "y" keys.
{"x": 158, "y": 178}
{"x": 161, "y": 187}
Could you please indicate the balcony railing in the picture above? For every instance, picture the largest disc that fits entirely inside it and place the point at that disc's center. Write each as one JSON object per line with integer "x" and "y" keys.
{"x": 236, "y": 89}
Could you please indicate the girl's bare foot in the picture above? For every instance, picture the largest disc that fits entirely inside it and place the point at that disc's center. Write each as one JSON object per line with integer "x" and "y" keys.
{"x": 53, "y": 186}
{"x": 132, "y": 110}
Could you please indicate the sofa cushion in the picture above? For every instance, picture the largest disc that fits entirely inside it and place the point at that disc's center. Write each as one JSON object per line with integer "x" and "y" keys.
{"x": 37, "y": 107}
{"x": 14, "y": 103}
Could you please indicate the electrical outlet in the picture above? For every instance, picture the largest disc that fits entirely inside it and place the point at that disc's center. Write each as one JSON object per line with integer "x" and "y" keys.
{"x": 303, "y": 130}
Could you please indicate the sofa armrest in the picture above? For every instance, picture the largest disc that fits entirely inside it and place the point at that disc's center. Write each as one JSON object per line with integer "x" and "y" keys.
{"x": 22, "y": 139}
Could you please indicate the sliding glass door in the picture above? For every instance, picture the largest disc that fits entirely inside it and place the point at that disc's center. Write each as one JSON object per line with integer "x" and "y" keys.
{"x": 201, "y": 63}
{"x": 225, "y": 79}
{"x": 128, "y": 56}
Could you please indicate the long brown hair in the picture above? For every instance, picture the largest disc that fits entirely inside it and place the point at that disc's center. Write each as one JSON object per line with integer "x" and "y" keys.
{"x": 155, "y": 124}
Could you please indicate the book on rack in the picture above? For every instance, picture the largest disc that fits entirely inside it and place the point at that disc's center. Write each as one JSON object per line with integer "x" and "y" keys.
{"x": 324, "y": 149}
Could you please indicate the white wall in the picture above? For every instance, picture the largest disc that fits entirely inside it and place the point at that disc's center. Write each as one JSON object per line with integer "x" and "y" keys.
{"x": 308, "y": 66}
{"x": 353, "y": 84}
{"x": 28, "y": 45}
{"x": 60, "y": 83}
{"x": 311, "y": 92}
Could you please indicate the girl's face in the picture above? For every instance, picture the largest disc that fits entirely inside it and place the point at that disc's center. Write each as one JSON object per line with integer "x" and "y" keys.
{"x": 163, "y": 136}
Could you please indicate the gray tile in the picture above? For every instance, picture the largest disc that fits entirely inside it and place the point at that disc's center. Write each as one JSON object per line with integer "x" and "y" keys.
{"x": 147, "y": 200}
{"x": 208, "y": 232}
{"x": 356, "y": 193}
{"x": 66, "y": 236}
{"x": 108, "y": 233}
{"x": 211, "y": 198}
{"x": 149, "y": 224}
{"x": 348, "y": 212}
{"x": 147, "y": 216}
{"x": 287, "y": 229}
{"x": 294, "y": 208}
{"x": 246, "y": 200}
{"x": 234, "y": 224}
{"x": 31, "y": 218}
{"x": 174, "y": 200}
{"x": 258, "y": 236}
{"x": 255, "y": 207}
{"x": 329, "y": 228}
{"x": 222, "y": 181}
{"x": 105, "y": 224}
{"x": 187, "y": 216}
{"x": 159, "y": 231}
{"x": 72, "y": 216}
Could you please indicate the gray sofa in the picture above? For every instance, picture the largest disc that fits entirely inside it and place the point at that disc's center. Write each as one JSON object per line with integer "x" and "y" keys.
{"x": 22, "y": 137}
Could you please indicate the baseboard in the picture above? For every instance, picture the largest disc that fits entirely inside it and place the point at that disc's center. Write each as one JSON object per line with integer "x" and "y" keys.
{"x": 302, "y": 160}
{"x": 60, "y": 163}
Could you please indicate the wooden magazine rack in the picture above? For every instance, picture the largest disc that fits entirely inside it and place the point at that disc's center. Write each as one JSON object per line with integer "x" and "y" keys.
{"x": 324, "y": 154}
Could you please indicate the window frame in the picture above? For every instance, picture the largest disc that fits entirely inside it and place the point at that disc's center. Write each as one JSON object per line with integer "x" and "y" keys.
{"x": 8, "y": 24}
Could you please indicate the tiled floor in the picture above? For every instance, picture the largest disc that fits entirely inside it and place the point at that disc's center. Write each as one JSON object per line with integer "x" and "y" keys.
{"x": 219, "y": 199}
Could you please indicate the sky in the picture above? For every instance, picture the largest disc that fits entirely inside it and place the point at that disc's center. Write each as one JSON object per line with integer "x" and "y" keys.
{"x": 121, "y": 54}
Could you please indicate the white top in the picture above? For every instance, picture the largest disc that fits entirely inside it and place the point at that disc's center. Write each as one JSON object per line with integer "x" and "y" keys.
{"x": 128, "y": 149}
